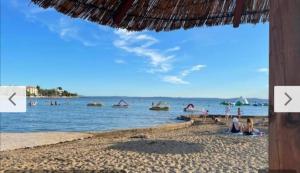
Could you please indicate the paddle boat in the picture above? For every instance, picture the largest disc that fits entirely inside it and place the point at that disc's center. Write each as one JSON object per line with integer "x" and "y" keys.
{"x": 160, "y": 106}
{"x": 122, "y": 104}
{"x": 260, "y": 104}
{"x": 189, "y": 108}
{"x": 94, "y": 104}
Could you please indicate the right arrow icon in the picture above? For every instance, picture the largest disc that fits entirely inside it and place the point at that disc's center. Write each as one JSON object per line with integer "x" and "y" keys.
{"x": 290, "y": 99}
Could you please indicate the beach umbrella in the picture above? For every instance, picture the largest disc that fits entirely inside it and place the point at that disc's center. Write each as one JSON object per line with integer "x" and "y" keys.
{"x": 162, "y": 15}
{"x": 167, "y": 15}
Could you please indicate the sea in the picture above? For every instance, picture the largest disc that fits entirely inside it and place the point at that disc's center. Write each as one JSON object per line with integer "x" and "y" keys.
{"x": 73, "y": 114}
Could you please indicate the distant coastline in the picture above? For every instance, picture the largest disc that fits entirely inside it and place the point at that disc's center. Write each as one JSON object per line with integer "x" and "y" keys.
{"x": 52, "y": 97}
{"x": 38, "y": 92}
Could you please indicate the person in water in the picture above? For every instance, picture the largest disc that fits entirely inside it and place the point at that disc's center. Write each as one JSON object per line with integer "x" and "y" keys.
{"x": 239, "y": 114}
{"x": 249, "y": 129}
{"x": 236, "y": 126}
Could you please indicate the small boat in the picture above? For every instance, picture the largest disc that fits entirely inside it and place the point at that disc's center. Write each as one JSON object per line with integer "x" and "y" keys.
{"x": 189, "y": 108}
{"x": 122, "y": 104}
{"x": 160, "y": 106}
{"x": 260, "y": 104}
{"x": 95, "y": 104}
{"x": 256, "y": 104}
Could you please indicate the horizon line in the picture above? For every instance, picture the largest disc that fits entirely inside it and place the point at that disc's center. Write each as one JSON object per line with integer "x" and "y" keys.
{"x": 176, "y": 97}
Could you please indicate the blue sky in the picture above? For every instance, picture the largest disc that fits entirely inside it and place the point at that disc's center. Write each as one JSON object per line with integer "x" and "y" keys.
{"x": 46, "y": 48}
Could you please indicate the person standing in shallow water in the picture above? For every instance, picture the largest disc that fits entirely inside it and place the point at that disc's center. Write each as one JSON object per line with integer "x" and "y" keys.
{"x": 239, "y": 113}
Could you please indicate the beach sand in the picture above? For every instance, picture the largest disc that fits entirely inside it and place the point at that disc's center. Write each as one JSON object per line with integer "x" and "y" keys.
{"x": 10, "y": 141}
{"x": 202, "y": 147}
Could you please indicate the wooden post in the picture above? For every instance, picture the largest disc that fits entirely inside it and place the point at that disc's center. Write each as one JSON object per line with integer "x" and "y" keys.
{"x": 284, "y": 145}
{"x": 237, "y": 15}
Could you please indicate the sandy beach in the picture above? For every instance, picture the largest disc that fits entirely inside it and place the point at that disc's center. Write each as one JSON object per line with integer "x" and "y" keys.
{"x": 201, "y": 147}
{"x": 10, "y": 141}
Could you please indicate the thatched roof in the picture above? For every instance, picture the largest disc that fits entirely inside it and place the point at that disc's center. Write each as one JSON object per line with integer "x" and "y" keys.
{"x": 162, "y": 14}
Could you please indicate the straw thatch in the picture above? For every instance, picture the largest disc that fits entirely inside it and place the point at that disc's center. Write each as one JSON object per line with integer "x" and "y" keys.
{"x": 160, "y": 14}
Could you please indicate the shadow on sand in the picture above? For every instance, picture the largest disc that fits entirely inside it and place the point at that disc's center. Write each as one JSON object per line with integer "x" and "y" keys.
{"x": 159, "y": 146}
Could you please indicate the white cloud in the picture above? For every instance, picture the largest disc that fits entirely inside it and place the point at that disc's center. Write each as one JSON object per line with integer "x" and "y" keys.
{"x": 120, "y": 61}
{"x": 67, "y": 28}
{"x": 194, "y": 68}
{"x": 263, "y": 70}
{"x": 139, "y": 44}
{"x": 179, "y": 79}
{"x": 176, "y": 48}
{"x": 68, "y": 31}
{"x": 174, "y": 80}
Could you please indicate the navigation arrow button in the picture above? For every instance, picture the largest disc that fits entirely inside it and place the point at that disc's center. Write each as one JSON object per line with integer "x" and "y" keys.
{"x": 290, "y": 99}
{"x": 10, "y": 99}
{"x": 287, "y": 99}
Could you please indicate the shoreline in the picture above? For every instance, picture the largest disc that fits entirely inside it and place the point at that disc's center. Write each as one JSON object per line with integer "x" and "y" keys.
{"x": 19, "y": 140}
{"x": 194, "y": 146}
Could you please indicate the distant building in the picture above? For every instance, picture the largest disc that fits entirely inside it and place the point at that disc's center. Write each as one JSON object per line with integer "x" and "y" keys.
{"x": 32, "y": 91}
{"x": 59, "y": 91}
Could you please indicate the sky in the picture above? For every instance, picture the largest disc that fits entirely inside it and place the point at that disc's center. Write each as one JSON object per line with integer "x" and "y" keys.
{"x": 46, "y": 48}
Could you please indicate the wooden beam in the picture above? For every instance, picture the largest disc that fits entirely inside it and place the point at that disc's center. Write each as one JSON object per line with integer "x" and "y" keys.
{"x": 237, "y": 14}
{"x": 284, "y": 62}
{"x": 122, "y": 10}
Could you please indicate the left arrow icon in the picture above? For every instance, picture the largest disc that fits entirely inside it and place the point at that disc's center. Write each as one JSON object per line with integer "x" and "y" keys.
{"x": 10, "y": 99}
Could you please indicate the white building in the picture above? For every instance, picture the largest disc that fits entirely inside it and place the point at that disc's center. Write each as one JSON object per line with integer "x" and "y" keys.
{"x": 33, "y": 91}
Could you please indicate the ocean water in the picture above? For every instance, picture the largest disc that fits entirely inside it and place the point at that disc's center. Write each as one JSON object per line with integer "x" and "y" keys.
{"x": 73, "y": 115}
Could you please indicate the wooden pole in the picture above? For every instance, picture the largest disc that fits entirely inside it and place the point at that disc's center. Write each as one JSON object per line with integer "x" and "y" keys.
{"x": 237, "y": 15}
{"x": 284, "y": 61}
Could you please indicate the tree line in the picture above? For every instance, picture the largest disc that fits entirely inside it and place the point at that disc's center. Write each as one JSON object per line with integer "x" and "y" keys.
{"x": 58, "y": 92}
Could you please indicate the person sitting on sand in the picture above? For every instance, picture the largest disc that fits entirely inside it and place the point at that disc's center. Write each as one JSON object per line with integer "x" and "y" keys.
{"x": 249, "y": 130}
{"x": 236, "y": 127}
{"x": 215, "y": 119}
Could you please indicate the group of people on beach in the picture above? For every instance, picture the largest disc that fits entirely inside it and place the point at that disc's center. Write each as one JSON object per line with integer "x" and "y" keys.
{"x": 236, "y": 126}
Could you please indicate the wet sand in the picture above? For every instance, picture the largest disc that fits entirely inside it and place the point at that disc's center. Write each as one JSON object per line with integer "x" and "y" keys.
{"x": 202, "y": 147}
